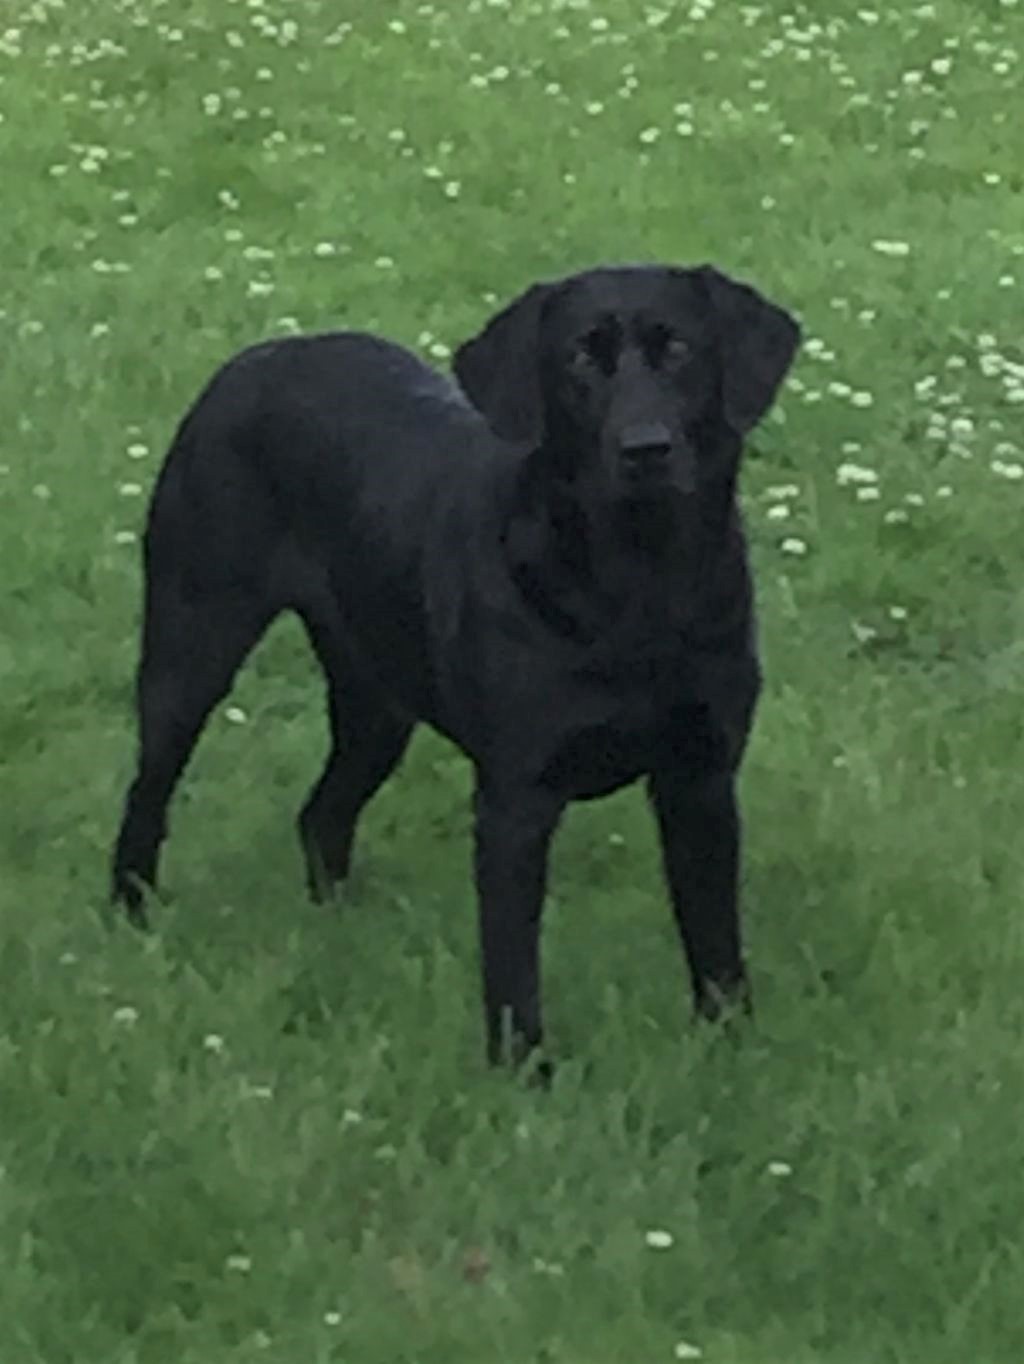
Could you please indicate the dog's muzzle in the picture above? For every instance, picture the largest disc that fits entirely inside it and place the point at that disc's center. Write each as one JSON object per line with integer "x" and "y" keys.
{"x": 648, "y": 456}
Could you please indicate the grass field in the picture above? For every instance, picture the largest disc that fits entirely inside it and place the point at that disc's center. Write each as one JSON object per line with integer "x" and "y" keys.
{"x": 266, "y": 1133}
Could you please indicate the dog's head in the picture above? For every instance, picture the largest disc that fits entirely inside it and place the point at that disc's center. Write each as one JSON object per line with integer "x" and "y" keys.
{"x": 630, "y": 377}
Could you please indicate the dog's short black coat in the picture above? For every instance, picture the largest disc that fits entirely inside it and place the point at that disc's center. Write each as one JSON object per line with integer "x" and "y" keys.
{"x": 546, "y": 564}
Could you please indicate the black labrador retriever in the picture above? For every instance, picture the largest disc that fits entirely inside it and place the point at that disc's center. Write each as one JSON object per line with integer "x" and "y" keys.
{"x": 553, "y": 574}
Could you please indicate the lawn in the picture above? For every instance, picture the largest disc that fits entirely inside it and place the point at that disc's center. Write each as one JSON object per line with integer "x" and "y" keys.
{"x": 265, "y": 1132}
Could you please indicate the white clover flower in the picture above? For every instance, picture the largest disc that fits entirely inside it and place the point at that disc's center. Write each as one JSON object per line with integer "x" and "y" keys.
{"x": 890, "y": 248}
{"x": 855, "y": 473}
{"x": 540, "y": 1266}
{"x": 250, "y": 1091}
{"x": 657, "y": 1239}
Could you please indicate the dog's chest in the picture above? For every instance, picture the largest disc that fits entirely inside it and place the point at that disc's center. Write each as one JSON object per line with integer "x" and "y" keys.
{"x": 614, "y": 734}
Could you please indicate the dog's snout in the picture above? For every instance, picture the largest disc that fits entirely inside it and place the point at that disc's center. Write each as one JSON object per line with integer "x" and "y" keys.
{"x": 650, "y": 443}
{"x": 645, "y": 449}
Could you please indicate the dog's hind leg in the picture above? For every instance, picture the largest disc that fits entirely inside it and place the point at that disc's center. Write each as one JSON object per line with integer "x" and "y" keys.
{"x": 191, "y": 649}
{"x": 368, "y": 739}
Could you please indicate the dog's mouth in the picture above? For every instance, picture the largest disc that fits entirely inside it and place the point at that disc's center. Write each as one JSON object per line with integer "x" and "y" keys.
{"x": 643, "y": 466}
{"x": 665, "y": 474}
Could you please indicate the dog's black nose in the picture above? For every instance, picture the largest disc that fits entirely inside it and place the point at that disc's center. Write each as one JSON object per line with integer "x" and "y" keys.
{"x": 645, "y": 447}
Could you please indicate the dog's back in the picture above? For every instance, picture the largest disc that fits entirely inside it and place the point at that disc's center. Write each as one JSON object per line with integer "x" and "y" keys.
{"x": 311, "y": 415}
{"x": 318, "y": 448}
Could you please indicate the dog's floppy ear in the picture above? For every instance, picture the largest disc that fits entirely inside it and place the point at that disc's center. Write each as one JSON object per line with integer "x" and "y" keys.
{"x": 499, "y": 369}
{"x": 759, "y": 342}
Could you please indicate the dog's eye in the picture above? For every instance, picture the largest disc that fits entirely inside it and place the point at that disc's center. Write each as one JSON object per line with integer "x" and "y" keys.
{"x": 676, "y": 351}
{"x": 581, "y": 357}
{"x": 597, "y": 350}
{"x": 668, "y": 348}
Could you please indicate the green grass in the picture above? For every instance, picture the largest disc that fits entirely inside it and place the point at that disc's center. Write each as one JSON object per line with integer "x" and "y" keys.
{"x": 265, "y": 1133}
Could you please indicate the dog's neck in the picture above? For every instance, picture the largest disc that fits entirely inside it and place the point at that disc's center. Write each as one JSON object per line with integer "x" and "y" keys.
{"x": 589, "y": 566}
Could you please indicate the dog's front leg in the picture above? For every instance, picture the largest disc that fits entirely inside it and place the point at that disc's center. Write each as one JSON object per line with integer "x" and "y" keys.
{"x": 700, "y": 837}
{"x": 514, "y": 824}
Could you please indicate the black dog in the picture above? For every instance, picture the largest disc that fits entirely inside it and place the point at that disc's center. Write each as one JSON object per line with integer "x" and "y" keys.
{"x": 553, "y": 574}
